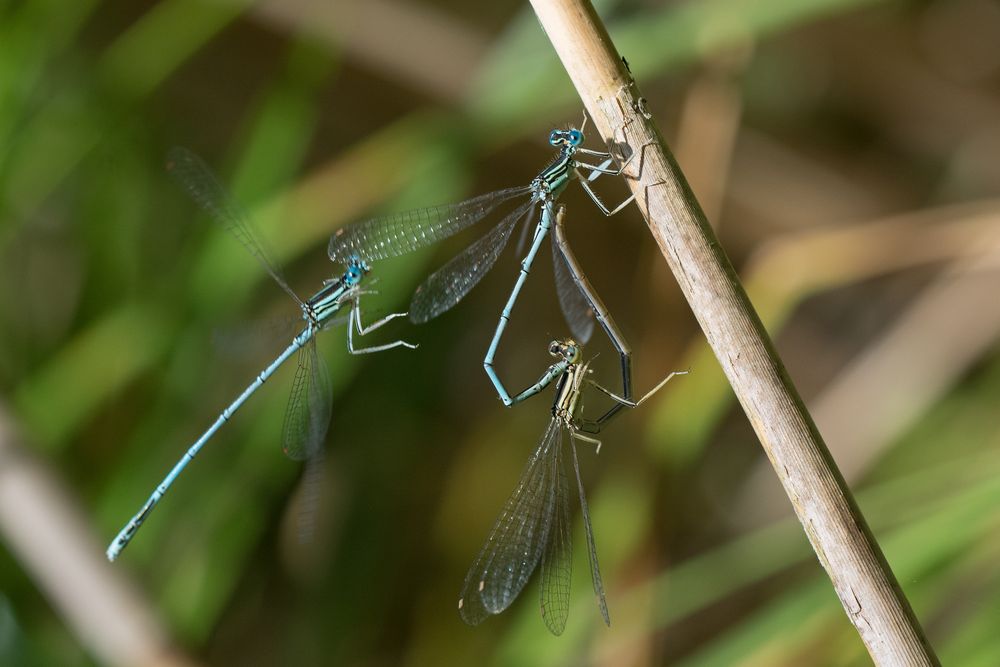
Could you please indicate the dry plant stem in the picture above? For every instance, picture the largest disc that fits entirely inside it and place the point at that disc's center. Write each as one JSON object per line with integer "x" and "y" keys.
{"x": 824, "y": 505}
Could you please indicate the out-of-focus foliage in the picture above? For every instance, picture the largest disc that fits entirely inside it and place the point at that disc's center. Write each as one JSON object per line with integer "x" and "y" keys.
{"x": 845, "y": 149}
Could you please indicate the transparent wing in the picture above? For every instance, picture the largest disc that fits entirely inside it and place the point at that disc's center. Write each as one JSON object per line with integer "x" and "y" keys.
{"x": 401, "y": 233}
{"x": 192, "y": 174}
{"x": 595, "y": 568}
{"x": 449, "y": 284}
{"x": 575, "y": 307}
{"x": 307, "y": 417}
{"x": 557, "y": 559}
{"x": 310, "y": 492}
{"x": 256, "y": 337}
{"x": 515, "y": 544}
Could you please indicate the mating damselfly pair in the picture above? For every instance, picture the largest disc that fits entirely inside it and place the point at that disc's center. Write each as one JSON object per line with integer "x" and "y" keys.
{"x": 361, "y": 245}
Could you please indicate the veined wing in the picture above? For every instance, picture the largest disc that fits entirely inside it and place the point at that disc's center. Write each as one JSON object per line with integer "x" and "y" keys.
{"x": 449, "y": 284}
{"x": 575, "y": 307}
{"x": 595, "y": 568}
{"x": 310, "y": 495}
{"x": 191, "y": 172}
{"x": 402, "y": 233}
{"x": 310, "y": 405}
{"x": 557, "y": 559}
{"x": 515, "y": 544}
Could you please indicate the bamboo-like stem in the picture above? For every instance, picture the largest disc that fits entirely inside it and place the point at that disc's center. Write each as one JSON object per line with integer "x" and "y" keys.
{"x": 863, "y": 581}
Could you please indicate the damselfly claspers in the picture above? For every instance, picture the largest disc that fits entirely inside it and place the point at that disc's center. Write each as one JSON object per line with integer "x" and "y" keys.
{"x": 401, "y": 233}
{"x": 307, "y": 417}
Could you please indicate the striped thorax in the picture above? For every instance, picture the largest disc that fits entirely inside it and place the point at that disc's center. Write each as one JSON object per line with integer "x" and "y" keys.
{"x": 325, "y": 303}
{"x": 568, "y": 388}
{"x": 550, "y": 183}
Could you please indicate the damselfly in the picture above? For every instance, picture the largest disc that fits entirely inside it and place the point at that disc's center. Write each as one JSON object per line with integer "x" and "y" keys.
{"x": 398, "y": 234}
{"x": 307, "y": 417}
{"x": 534, "y": 526}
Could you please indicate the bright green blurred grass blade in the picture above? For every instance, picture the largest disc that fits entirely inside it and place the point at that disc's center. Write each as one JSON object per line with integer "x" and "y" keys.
{"x": 30, "y": 35}
{"x": 75, "y": 118}
{"x": 104, "y": 358}
{"x": 165, "y": 37}
{"x": 778, "y": 629}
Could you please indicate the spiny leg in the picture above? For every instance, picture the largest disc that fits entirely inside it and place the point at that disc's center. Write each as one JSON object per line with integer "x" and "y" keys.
{"x": 603, "y": 169}
{"x": 634, "y": 404}
{"x": 597, "y": 200}
{"x": 365, "y": 330}
{"x": 584, "y": 438}
{"x": 354, "y": 322}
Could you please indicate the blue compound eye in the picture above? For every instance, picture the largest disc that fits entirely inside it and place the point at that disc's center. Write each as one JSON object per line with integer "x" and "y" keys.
{"x": 575, "y": 137}
{"x": 555, "y": 138}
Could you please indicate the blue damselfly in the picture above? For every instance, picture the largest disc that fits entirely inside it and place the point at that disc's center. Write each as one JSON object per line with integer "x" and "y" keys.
{"x": 307, "y": 417}
{"x": 398, "y": 234}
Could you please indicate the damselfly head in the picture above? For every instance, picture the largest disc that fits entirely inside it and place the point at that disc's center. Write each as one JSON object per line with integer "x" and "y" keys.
{"x": 356, "y": 270}
{"x": 571, "y": 137}
{"x": 565, "y": 349}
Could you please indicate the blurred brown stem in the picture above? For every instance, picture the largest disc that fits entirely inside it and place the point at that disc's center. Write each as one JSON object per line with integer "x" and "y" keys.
{"x": 45, "y": 531}
{"x": 866, "y": 586}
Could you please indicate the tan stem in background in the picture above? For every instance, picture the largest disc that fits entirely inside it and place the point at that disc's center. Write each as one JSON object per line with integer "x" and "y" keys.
{"x": 838, "y": 533}
{"x": 46, "y": 531}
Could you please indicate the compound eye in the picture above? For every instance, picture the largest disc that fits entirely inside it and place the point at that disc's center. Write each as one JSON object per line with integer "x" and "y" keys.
{"x": 576, "y": 137}
{"x": 555, "y": 138}
{"x": 554, "y": 348}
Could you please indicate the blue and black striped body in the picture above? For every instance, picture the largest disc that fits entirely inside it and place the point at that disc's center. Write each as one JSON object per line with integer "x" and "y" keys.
{"x": 326, "y": 303}
{"x": 552, "y": 180}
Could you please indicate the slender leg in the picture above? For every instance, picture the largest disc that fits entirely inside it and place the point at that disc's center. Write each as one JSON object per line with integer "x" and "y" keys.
{"x": 354, "y": 322}
{"x": 587, "y": 151}
{"x": 540, "y": 233}
{"x": 634, "y": 404}
{"x": 365, "y": 330}
{"x": 594, "y": 175}
{"x": 597, "y": 200}
{"x": 595, "y": 171}
{"x": 603, "y": 168}
{"x": 601, "y": 312}
{"x": 584, "y": 438}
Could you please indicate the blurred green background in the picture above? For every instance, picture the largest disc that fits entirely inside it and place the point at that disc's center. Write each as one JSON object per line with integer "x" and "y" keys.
{"x": 846, "y": 150}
